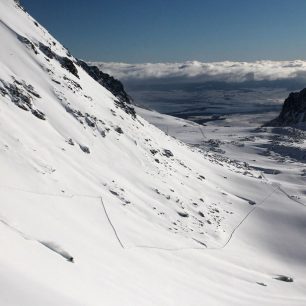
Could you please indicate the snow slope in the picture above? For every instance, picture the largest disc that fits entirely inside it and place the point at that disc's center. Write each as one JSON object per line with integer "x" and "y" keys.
{"x": 99, "y": 207}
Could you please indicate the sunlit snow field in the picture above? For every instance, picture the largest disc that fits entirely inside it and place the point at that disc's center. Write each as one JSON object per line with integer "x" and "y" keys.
{"x": 100, "y": 207}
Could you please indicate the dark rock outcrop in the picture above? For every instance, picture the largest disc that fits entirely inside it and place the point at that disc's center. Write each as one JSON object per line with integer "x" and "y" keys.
{"x": 167, "y": 153}
{"x": 22, "y": 95}
{"x": 28, "y": 43}
{"x": 293, "y": 111}
{"x": 85, "y": 149}
{"x": 64, "y": 61}
{"x": 68, "y": 65}
{"x": 107, "y": 81}
{"x": 19, "y": 5}
{"x": 111, "y": 84}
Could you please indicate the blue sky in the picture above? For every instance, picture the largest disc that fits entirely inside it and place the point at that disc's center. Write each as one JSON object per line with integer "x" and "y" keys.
{"x": 137, "y": 31}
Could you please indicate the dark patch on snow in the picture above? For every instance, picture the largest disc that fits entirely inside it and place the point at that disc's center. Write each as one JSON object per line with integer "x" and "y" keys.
{"x": 183, "y": 214}
{"x": 72, "y": 85}
{"x": 200, "y": 242}
{"x": 71, "y": 142}
{"x": 284, "y": 278}
{"x": 167, "y": 153}
{"x": 266, "y": 170}
{"x": 57, "y": 249}
{"x": 38, "y": 114}
{"x": 114, "y": 193}
{"x": 84, "y": 149}
{"x": 75, "y": 113}
{"x": 153, "y": 151}
{"x": 90, "y": 121}
{"x": 245, "y": 199}
{"x": 201, "y": 214}
{"x": 119, "y": 130}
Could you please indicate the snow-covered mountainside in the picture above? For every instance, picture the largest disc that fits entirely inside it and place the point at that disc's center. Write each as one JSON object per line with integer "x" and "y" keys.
{"x": 293, "y": 111}
{"x": 99, "y": 207}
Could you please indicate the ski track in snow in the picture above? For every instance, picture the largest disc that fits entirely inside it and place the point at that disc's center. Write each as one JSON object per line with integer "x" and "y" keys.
{"x": 278, "y": 187}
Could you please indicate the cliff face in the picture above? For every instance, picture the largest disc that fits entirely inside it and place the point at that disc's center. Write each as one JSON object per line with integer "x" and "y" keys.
{"x": 293, "y": 111}
{"x": 111, "y": 84}
{"x": 107, "y": 81}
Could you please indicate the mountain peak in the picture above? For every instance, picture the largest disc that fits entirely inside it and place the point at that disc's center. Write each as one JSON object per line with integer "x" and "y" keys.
{"x": 293, "y": 111}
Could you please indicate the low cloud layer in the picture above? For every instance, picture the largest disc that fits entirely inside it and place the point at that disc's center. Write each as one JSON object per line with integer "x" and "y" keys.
{"x": 232, "y": 72}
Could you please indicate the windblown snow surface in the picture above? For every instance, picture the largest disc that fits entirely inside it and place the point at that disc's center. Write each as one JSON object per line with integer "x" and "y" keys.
{"x": 98, "y": 207}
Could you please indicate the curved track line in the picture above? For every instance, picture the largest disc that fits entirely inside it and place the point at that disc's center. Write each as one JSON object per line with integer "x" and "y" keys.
{"x": 290, "y": 197}
{"x": 202, "y": 132}
{"x": 111, "y": 224}
{"x": 277, "y": 187}
{"x": 229, "y": 238}
{"x": 247, "y": 215}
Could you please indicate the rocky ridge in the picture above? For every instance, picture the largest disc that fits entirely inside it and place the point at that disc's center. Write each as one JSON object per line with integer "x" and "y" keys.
{"x": 293, "y": 111}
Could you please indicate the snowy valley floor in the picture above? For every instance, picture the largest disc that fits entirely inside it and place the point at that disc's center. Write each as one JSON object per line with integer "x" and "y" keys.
{"x": 116, "y": 265}
{"x": 269, "y": 240}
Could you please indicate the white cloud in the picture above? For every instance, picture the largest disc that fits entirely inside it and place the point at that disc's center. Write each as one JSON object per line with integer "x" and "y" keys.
{"x": 215, "y": 71}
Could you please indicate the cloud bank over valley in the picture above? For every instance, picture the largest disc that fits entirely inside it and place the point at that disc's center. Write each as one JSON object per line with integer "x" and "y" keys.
{"x": 196, "y": 90}
{"x": 204, "y": 72}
